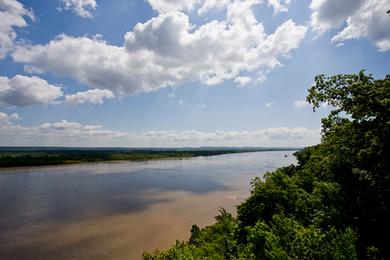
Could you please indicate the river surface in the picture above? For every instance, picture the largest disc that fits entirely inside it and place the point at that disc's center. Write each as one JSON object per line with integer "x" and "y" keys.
{"x": 117, "y": 210}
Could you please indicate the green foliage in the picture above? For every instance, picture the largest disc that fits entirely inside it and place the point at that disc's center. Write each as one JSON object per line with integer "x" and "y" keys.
{"x": 285, "y": 238}
{"x": 334, "y": 204}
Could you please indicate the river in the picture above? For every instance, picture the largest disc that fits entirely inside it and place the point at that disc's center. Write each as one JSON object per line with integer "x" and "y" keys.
{"x": 116, "y": 210}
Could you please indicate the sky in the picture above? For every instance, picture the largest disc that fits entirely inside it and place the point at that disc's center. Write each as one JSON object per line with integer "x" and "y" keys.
{"x": 178, "y": 73}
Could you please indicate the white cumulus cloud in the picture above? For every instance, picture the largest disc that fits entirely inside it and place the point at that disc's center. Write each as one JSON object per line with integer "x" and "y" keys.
{"x": 7, "y": 119}
{"x": 163, "y": 6}
{"x": 300, "y": 104}
{"x": 201, "y": 106}
{"x": 203, "y": 6}
{"x": 355, "y": 19}
{"x": 242, "y": 81}
{"x": 25, "y": 91}
{"x": 168, "y": 50}
{"x": 93, "y": 96}
{"x": 12, "y": 15}
{"x": 279, "y": 5}
{"x": 82, "y": 8}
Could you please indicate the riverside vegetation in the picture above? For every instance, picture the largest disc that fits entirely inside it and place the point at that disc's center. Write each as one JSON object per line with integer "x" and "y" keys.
{"x": 334, "y": 204}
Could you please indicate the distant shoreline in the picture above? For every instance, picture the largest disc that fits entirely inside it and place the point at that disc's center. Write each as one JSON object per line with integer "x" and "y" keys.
{"x": 46, "y": 156}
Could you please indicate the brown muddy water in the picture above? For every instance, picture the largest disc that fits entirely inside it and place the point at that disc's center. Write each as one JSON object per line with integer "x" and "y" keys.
{"x": 117, "y": 210}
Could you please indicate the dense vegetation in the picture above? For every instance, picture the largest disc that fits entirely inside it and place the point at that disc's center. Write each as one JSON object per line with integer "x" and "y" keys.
{"x": 30, "y": 156}
{"x": 334, "y": 204}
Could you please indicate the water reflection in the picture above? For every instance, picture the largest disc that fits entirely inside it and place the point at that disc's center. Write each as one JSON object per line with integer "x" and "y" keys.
{"x": 117, "y": 209}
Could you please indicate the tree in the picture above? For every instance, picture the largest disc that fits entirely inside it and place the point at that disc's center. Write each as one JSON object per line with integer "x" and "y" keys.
{"x": 356, "y": 136}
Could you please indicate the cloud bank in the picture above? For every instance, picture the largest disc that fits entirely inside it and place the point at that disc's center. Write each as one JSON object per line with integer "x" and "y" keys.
{"x": 64, "y": 133}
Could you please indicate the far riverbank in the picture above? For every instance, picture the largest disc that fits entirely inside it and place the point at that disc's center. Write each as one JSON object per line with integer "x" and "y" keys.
{"x": 43, "y": 156}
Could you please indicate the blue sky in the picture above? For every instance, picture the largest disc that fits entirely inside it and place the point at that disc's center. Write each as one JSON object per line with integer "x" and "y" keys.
{"x": 178, "y": 73}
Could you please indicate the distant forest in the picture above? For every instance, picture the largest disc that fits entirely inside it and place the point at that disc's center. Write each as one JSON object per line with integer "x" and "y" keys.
{"x": 35, "y": 156}
{"x": 334, "y": 204}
